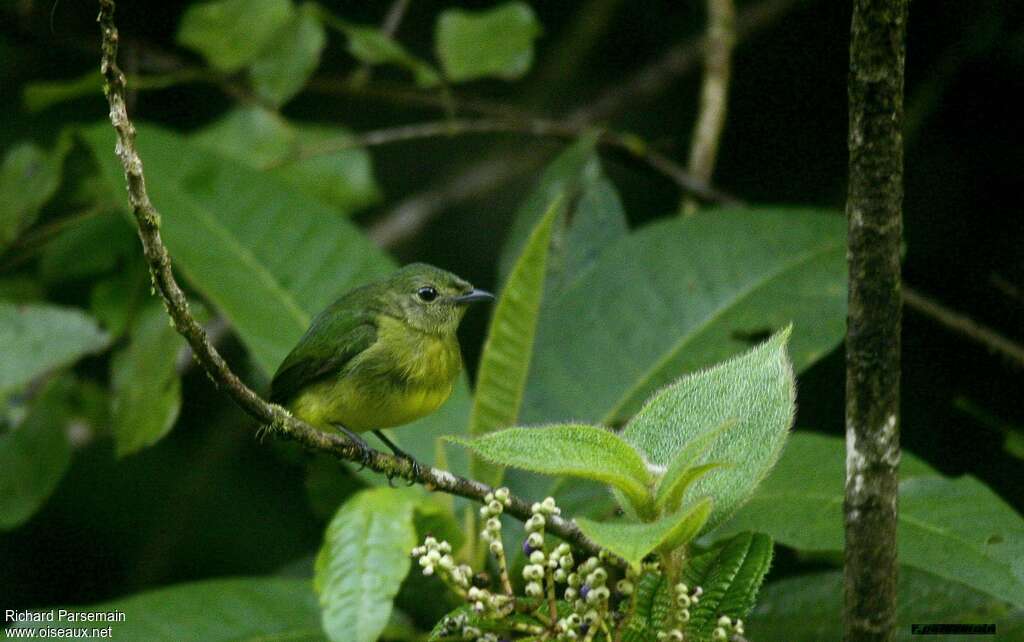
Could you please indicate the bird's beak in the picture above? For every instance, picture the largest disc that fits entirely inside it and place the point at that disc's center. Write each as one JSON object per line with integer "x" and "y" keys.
{"x": 474, "y": 295}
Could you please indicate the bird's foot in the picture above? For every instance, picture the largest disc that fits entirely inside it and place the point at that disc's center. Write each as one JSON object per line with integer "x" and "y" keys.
{"x": 365, "y": 453}
{"x": 416, "y": 469}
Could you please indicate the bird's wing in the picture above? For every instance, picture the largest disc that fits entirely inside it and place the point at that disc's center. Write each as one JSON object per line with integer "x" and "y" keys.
{"x": 331, "y": 342}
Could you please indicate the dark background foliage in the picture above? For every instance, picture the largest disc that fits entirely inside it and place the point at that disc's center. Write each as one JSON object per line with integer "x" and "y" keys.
{"x": 211, "y": 501}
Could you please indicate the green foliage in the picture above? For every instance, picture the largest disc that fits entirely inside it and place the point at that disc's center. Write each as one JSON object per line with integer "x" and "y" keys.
{"x": 87, "y": 248}
{"x": 145, "y": 388}
{"x": 730, "y": 574}
{"x": 633, "y": 541}
{"x": 686, "y": 467}
{"x": 29, "y": 177}
{"x": 577, "y": 450}
{"x": 496, "y": 42}
{"x": 807, "y": 608}
{"x": 230, "y": 34}
{"x": 364, "y": 558}
{"x": 40, "y": 95}
{"x": 957, "y": 529}
{"x": 598, "y": 221}
{"x": 374, "y": 47}
{"x": 501, "y": 379}
{"x": 262, "y": 139}
{"x": 266, "y": 255}
{"x": 682, "y": 294}
{"x": 576, "y": 166}
{"x": 290, "y": 58}
{"x": 223, "y": 610}
{"x": 34, "y": 455}
{"x": 39, "y": 337}
{"x": 650, "y": 600}
{"x": 116, "y": 300}
{"x": 755, "y": 389}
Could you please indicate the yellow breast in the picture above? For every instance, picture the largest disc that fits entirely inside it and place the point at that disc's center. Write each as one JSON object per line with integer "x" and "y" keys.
{"x": 402, "y": 377}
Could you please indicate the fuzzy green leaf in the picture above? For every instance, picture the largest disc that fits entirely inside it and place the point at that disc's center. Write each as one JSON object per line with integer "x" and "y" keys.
{"x": 34, "y": 455}
{"x": 364, "y": 558}
{"x": 730, "y": 574}
{"x": 651, "y": 599}
{"x": 632, "y": 541}
{"x": 268, "y": 256}
{"x": 496, "y": 42}
{"x": 290, "y": 58}
{"x": 756, "y": 389}
{"x": 685, "y": 468}
{"x": 232, "y": 33}
{"x": 35, "y": 338}
{"x": 576, "y": 450}
{"x": 145, "y": 387}
{"x": 806, "y": 608}
{"x": 682, "y": 294}
{"x": 955, "y": 528}
{"x": 256, "y": 609}
{"x": 505, "y": 361}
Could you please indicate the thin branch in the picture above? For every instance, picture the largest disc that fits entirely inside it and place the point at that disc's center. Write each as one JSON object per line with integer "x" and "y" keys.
{"x": 540, "y": 127}
{"x": 874, "y": 213}
{"x": 995, "y": 342}
{"x": 278, "y": 420}
{"x": 714, "y": 95}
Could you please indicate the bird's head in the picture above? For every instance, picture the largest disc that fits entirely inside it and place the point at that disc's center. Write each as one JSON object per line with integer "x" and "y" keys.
{"x": 431, "y": 299}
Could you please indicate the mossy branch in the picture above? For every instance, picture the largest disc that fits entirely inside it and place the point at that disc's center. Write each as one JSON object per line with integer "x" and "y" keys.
{"x": 280, "y": 421}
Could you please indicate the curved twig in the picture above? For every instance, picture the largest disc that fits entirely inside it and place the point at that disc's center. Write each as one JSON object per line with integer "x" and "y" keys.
{"x": 279, "y": 420}
{"x": 541, "y": 127}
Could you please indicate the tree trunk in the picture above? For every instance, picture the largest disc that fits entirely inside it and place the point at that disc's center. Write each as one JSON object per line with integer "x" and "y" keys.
{"x": 873, "y": 210}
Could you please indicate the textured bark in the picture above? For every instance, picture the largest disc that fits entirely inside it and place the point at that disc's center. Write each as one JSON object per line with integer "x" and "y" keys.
{"x": 873, "y": 210}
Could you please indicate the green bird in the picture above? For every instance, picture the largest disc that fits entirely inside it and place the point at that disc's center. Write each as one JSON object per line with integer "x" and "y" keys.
{"x": 382, "y": 355}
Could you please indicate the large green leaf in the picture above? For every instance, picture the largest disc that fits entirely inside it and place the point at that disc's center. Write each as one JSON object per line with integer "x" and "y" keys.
{"x": 955, "y": 528}
{"x": 34, "y": 455}
{"x": 29, "y": 176}
{"x": 232, "y": 33}
{"x": 290, "y": 58}
{"x": 576, "y": 450}
{"x": 145, "y": 387}
{"x": 260, "y": 138}
{"x": 35, "y": 338}
{"x": 505, "y": 362}
{"x": 687, "y": 467}
{"x": 597, "y": 222}
{"x": 266, "y": 255}
{"x": 682, "y": 294}
{"x": 808, "y": 608}
{"x": 496, "y": 42}
{"x": 364, "y": 558}
{"x": 632, "y": 541}
{"x": 756, "y": 390}
{"x": 95, "y": 245}
{"x": 257, "y": 609}
{"x": 730, "y": 575}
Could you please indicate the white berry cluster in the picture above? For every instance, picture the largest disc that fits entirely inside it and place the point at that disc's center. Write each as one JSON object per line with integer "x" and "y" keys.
{"x": 534, "y": 572}
{"x": 436, "y": 556}
{"x": 458, "y": 624}
{"x": 490, "y": 515}
{"x": 588, "y": 593}
{"x": 726, "y": 628}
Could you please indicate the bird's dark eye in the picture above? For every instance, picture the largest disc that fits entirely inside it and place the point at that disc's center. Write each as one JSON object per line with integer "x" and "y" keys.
{"x": 427, "y": 293}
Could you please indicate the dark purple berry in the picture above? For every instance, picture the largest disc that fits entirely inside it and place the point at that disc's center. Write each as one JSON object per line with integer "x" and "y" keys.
{"x": 527, "y": 549}
{"x": 584, "y": 628}
{"x": 584, "y": 591}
